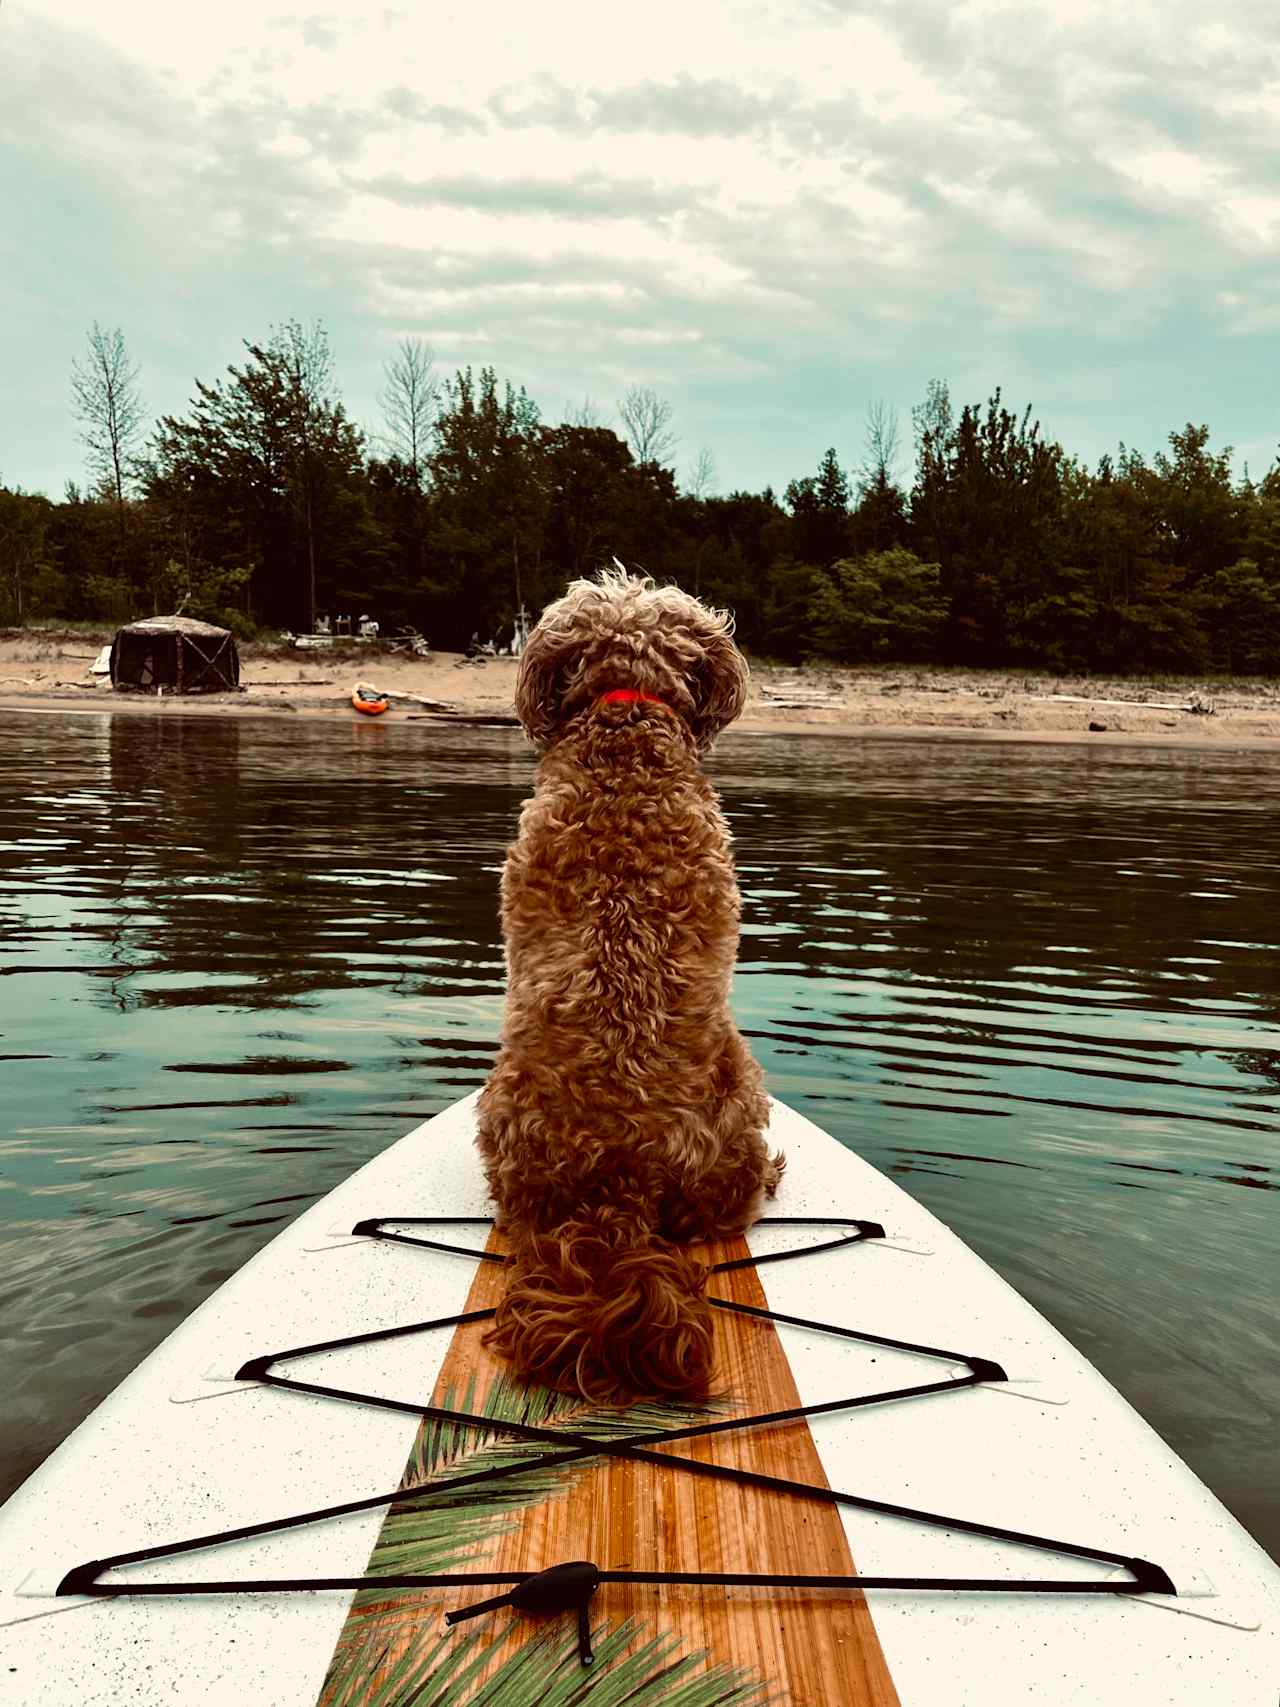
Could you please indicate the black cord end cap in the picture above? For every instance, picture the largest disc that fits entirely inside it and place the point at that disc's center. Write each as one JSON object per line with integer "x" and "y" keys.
{"x": 558, "y": 1588}
{"x": 81, "y": 1579}
{"x": 1151, "y": 1578}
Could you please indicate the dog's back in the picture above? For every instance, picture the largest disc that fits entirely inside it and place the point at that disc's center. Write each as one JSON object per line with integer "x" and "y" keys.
{"x": 624, "y": 1112}
{"x": 620, "y": 911}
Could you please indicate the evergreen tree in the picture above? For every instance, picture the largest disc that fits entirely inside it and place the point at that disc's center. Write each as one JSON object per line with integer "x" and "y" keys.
{"x": 264, "y": 475}
{"x": 586, "y": 471}
{"x": 30, "y": 584}
{"x": 487, "y": 506}
{"x": 988, "y": 492}
{"x": 819, "y": 506}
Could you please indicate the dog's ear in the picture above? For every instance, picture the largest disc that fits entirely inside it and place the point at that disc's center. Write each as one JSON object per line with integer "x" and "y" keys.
{"x": 718, "y": 680}
{"x": 541, "y": 681}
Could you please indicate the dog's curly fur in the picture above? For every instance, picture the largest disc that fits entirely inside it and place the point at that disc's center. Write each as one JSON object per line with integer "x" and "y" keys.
{"x": 624, "y": 1114}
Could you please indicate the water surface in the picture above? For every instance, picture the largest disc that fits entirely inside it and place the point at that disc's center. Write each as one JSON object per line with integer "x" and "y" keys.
{"x": 1037, "y": 984}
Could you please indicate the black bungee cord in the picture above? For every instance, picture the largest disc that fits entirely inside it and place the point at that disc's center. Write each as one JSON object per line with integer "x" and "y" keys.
{"x": 570, "y": 1586}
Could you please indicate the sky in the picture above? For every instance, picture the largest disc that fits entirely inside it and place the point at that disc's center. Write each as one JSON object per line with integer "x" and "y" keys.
{"x": 773, "y": 215}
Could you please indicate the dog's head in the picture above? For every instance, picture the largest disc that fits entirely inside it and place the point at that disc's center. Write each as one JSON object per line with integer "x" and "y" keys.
{"x": 620, "y": 631}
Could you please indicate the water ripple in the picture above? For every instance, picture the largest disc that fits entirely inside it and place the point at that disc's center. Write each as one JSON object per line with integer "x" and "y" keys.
{"x": 1035, "y": 983}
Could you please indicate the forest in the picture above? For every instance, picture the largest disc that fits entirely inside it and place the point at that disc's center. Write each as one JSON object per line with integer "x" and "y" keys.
{"x": 264, "y": 506}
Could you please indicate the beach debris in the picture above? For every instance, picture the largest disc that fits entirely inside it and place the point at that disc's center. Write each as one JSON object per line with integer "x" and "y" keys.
{"x": 362, "y": 630}
{"x": 1097, "y": 728}
{"x": 409, "y": 640}
{"x": 426, "y": 704}
{"x": 495, "y": 719}
{"x": 290, "y": 682}
{"x": 792, "y": 694}
{"x": 1196, "y": 705}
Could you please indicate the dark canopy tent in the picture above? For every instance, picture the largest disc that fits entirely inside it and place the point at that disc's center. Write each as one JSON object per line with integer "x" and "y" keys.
{"x": 175, "y": 654}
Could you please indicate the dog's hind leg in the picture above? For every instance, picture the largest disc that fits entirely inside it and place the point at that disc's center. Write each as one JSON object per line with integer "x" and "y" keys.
{"x": 744, "y": 1173}
{"x": 729, "y": 1196}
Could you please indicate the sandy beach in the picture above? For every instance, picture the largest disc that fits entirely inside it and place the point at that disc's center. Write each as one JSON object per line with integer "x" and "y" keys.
{"x": 51, "y": 672}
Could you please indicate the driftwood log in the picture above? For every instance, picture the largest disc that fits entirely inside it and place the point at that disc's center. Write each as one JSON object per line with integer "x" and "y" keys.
{"x": 1203, "y": 708}
{"x": 498, "y": 719}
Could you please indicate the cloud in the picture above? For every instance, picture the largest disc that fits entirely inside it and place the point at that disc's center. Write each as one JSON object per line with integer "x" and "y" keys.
{"x": 588, "y": 196}
{"x": 684, "y": 106}
{"x": 409, "y": 107}
{"x": 773, "y": 214}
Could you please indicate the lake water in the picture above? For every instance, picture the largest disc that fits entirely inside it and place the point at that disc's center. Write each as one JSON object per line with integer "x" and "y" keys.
{"x": 1037, "y": 984}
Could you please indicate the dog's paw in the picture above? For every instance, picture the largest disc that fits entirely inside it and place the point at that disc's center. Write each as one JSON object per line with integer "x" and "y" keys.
{"x": 773, "y": 1173}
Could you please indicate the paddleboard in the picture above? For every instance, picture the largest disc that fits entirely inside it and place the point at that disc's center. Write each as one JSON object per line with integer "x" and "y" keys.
{"x": 932, "y": 1434}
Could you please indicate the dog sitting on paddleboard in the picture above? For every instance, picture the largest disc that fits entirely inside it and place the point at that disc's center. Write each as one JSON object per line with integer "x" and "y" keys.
{"x": 623, "y": 1119}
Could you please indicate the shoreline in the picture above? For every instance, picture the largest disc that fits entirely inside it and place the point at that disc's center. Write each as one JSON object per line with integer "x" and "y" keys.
{"x": 47, "y": 677}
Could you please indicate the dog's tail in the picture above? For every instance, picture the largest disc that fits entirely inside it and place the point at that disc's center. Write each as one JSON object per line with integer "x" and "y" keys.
{"x": 602, "y": 1308}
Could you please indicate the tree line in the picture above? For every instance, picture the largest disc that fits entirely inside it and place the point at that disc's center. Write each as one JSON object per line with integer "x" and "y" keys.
{"x": 264, "y": 506}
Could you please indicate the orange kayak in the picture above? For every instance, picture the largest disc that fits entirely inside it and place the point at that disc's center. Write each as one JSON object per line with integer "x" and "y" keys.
{"x": 368, "y": 700}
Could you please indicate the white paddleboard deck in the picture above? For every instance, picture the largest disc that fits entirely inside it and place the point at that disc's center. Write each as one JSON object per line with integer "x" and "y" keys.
{"x": 182, "y": 1449}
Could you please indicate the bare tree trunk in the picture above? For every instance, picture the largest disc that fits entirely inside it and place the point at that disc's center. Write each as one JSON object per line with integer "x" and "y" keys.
{"x": 107, "y": 403}
{"x": 311, "y": 565}
{"x": 647, "y": 419}
{"x": 409, "y": 400}
{"x": 879, "y": 465}
{"x": 702, "y": 475}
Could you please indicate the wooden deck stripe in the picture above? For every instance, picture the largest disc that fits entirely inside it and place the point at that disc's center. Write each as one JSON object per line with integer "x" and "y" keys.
{"x": 812, "y": 1650}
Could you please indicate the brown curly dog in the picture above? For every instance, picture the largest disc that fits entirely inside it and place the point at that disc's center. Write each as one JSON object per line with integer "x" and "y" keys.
{"x": 624, "y": 1113}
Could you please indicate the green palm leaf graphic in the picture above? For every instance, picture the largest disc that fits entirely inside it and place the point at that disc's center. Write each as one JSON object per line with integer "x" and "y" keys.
{"x": 445, "y": 1533}
{"x": 437, "y": 1534}
{"x": 542, "y": 1673}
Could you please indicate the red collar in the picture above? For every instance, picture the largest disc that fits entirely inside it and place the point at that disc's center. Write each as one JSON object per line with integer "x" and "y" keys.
{"x": 626, "y": 696}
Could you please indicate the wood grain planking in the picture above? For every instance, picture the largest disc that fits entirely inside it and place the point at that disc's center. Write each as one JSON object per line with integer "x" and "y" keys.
{"x": 814, "y": 1650}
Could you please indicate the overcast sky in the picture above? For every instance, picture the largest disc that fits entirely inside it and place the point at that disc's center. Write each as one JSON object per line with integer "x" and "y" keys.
{"x": 772, "y": 214}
